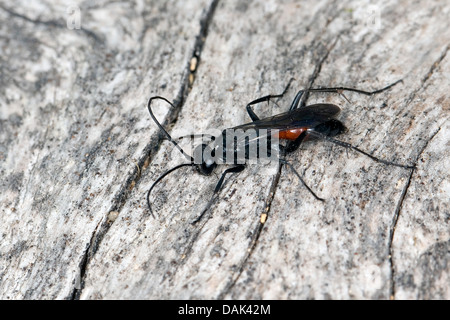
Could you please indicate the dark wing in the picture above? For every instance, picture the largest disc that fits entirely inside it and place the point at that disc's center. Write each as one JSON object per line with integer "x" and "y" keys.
{"x": 308, "y": 116}
{"x": 305, "y": 117}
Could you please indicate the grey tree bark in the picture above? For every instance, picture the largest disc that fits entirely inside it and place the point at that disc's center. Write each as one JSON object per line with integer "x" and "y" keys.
{"x": 79, "y": 151}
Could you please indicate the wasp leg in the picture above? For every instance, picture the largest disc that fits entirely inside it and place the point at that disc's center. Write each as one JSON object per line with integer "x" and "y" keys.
{"x": 219, "y": 185}
{"x": 267, "y": 98}
{"x": 339, "y": 90}
{"x": 349, "y": 146}
{"x": 301, "y": 179}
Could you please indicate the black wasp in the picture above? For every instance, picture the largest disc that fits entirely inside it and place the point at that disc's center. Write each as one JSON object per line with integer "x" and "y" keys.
{"x": 300, "y": 122}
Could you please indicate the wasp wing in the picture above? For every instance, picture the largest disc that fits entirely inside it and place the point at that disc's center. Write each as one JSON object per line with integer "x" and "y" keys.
{"x": 254, "y": 135}
{"x": 306, "y": 117}
{"x": 248, "y": 134}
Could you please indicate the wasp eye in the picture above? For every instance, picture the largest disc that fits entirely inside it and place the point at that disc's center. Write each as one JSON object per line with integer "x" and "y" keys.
{"x": 204, "y": 158}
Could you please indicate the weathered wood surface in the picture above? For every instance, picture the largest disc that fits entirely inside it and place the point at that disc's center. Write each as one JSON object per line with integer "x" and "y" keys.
{"x": 79, "y": 151}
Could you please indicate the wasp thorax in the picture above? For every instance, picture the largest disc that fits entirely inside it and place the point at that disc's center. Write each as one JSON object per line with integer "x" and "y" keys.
{"x": 331, "y": 128}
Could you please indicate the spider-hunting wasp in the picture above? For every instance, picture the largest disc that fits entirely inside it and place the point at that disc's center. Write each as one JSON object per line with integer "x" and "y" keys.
{"x": 300, "y": 122}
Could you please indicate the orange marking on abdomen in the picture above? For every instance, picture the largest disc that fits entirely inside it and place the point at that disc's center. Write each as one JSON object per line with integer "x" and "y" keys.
{"x": 291, "y": 134}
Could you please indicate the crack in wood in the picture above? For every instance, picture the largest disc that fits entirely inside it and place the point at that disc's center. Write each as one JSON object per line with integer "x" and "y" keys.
{"x": 435, "y": 65}
{"x": 255, "y": 235}
{"x": 397, "y": 216}
{"x": 79, "y": 281}
{"x": 52, "y": 24}
{"x": 122, "y": 196}
{"x": 268, "y": 203}
{"x": 431, "y": 71}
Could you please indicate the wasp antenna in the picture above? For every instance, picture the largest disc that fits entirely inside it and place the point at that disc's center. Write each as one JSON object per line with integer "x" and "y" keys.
{"x": 162, "y": 177}
{"x": 200, "y": 135}
{"x": 162, "y": 128}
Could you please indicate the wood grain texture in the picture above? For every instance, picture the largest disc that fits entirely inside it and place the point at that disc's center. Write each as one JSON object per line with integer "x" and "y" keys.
{"x": 79, "y": 151}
